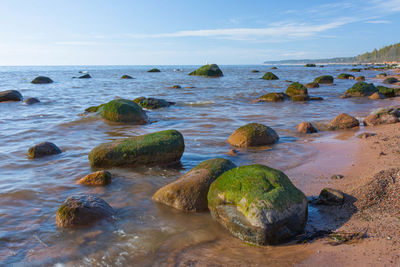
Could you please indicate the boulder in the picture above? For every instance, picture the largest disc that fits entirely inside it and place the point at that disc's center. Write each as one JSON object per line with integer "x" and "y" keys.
{"x": 122, "y": 110}
{"x": 345, "y": 76}
{"x": 85, "y": 76}
{"x": 270, "y": 76}
{"x": 152, "y": 103}
{"x": 300, "y": 98}
{"x": 306, "y": 127}
{"x": 361, "y": 89}
{"x": 312, "y": 85}
{"x": 154, "y": 70}
{"x": 376, "y": 96}
{"x": 96, "y": 178}
{"x": 310, "y": 65}
{"x": 390, "y": 80}
{"x": 388, "y": 92}
{"x": 189, "y": 193}
{"x": 255, "y": 71}
{"x": 82, "y": 210}
{"x": 42, "y": 150}
{"x": 126, "y": 77}
{"x": 274, "y": 68}
{"x": 274, "y": 97}
{"x": 381, "y": 75}
{"x": 296, "y": 89}
{"x": 343, "y": 121}
{"x": 209, "y": 70}
{"x": 31, "y": 101}
{"x": 252, "y": 135}
{"x": 329, "y": 196}
{"x": 10, "y": 95}
{"x": 315, "y": 98}
{"x": 159, "y": 148}
{"x": 41, "y": 80}
{"x": 382, "y": 116}
{"x": 360, "y": 78}
{"x": 355, "y": 70}
{"x": 177, "y": 86}
{"x": 324, "y": 79}
{"x": 258, "y": 204}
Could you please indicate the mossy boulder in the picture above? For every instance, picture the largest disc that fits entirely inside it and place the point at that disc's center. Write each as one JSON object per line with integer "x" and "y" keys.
{"x": 189, "y": 193}
{"x": 82, "y": 210}
{"x": 390, "y": 80}
{"x": 270, "y": 76}
{"x": 355, "y": 70}
{"x": 324, "y": 79}
{"x": 306, "y": 128}
{"x": 274, "y": 97}
{"x": 209, "y": 70}
{"x": 41, "y": 80}
{"x": 10, "y": 95}
{"x": 300, "y": 98}
{"x": 85, "y": 76}
{"x": 360, "y": 78}
{"x": 253, "y": 135}
{"x": 154, "y": 70}
{"x": 383, "y": 116}
{"x": 176, "y": 86}
{"x": 296, "y": 89}
{"x": 345, "y": 76}
{"x": 152, "y": 103}
{"x": 381, "y": 75}
{"x": 274, "y": 68}
{"x": 343, "y": 121}
{"x": 330, "y": 196}
{"x": 255, "y": 71}
{"x": 376, "y": 96}
{"x": 312, "y": 85}
{"x": 258, "y": 204}
{"x": 96, "y": 178}
{"x": 388, "y": 92}
{"x": 42, "y": 150}
{"x": 126, "y": 77}
{"x": 361, "y": 89}
{"x": 31, "y": 101}
{"x": 159, "y": 148}
{"x": 121, "y": 110}
{"x": 310, "y": 65}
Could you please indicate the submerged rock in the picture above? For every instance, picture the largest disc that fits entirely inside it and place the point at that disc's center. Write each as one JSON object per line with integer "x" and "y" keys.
{"x": 177, "y": 86}
{"x": 343, "y": 121}
{"x": 382, "y": 116}
{"x": 152, "y": 103}
{"x": 189, "y": 192}
{"x": 159, "y": 148}
{"x": 324, "y": 79}
{"x": 355, "y": 70}
{"x": 96, "y": 178}
{"x": 154, "y": 70}
{"x": 31, "y": 101}
{"x": 82, "y": 210}
{"x": 270, "y": 76}
{"x": 258, "y": 204}
{"x": 255, "y": 71}
{"x": 306, "y": 127}
{"x": 41, "y": 80}
{"x": 10, "y": 95}
{"x": 310, "y": 65}
{"x": 85, "y": 76}
{"x": 345, "y": 76}
{"x": 296, "y": 89}
{"x": 300, "y": 98}
{"x": 360, "y": 78}
{"x": 361, "y": 89}
{"x": 126, "y": 77}
{"x": 388, "y": 92}
{"x": 274, "y": 97}
{"x": 312, "y": 85}
{"x": 274, "y": 68}
{"x": 209, "y": 70}
{"x": 381, "y": 75}
{"x": 390, "y": 80}
{"x": 376, "y": 96}
{"x": 43, "y": 149}
{"x": 329, "y": 196}
{"x": 121, "y": 110}
{"x": 252, "y": 135}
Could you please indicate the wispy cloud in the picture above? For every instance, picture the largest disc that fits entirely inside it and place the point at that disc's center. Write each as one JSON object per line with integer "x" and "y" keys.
{"x": 378, "y": 21}
{"x": 288, "y": 30}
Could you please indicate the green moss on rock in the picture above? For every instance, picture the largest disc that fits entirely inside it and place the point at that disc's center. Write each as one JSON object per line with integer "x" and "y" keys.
{"x": 159, "y": 148}
{"x": 345, "y": 76}
{"x": 296, "y": 89}
{"x": 387, "y": 91}
{"x": 209, "y": 70}
{"x": 310, "y": 65}
{"x": 361, "y": 89}
{"x": 274, "y": 97}
{"x": 152, "y": 103}
{"x": 390, "y": 80}
{"x": 123, "y": 110}
{"x": 324, "y": 79}
{"x": 154, "y": 70}
{"x": 270, "y": 76}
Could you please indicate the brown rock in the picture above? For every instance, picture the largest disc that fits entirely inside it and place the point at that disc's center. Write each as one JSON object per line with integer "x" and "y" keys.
{"x": 43, "y": 149}
{"x": 96, "y": 178}
{"x": 329, "y": 196}
{"x": 252, "y": 135}
{"x": 376, "y": 95}
{"x": 343, "y": 121}
{"x": 306, "y": 127}
{"x": 360, "y": 78}
{"x": 384, "y": 116}
{"x": 312, "y": 85}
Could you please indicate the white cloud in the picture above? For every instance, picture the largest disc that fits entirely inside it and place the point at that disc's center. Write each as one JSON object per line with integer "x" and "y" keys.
{"x": 378, "y": 21}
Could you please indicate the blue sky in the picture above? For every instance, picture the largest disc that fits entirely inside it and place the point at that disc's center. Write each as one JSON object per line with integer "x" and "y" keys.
{"x": 150, "y": 32}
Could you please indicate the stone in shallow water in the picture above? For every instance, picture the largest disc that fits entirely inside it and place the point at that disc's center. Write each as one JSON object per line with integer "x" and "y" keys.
{"x": 253, "y": 135}
{"x": 306, "y": 127}
{"x": 31, "y": 101}
{"x": 41, "y": 80}
{"x": 96, "y": 178}
{"x": 43, "y": 149}
{"x": 330, "y": 196}
{"x": 343, "y": 121}
{"x": 10, "y": 95}
{"x": 209, "y": 70}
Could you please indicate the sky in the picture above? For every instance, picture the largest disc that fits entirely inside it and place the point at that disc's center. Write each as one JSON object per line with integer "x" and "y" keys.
{"x": 172, "y": 32}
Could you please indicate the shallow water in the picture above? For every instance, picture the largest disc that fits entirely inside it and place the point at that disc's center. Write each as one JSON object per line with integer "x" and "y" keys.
{"x": 144, "y": 233}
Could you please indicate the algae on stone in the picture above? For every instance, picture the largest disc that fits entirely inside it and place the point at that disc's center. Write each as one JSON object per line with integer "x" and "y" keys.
{"x": 123, "y": 110}
{"x": 324, "y": 79}
{"x": 209, "y": 70}
{"x": 270, "y": 76}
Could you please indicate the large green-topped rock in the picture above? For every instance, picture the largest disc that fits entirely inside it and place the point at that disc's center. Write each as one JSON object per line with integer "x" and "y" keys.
{"x": 345, "y": 76}
{"x": 361, "y": 89}
{"x": 296, "y": 89}
{"x": 159, "y": 148}
{"x": 270, "y": 76}
{"x": 324, "y": 79}
{"x": 258, "y": 204}
{"x": 121, "y": 110}
{"x": 209, "y": 70}
{"x": 253, "y": 135}
{"x": 189, "y": 192}
{"x": 273, "y": 97}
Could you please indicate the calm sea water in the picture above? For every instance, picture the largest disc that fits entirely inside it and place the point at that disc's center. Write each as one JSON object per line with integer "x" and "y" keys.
{"x": 144, "y": 233}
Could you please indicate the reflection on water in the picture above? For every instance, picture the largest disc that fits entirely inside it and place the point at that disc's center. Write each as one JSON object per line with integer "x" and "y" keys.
{"x": 144, "y": 233}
